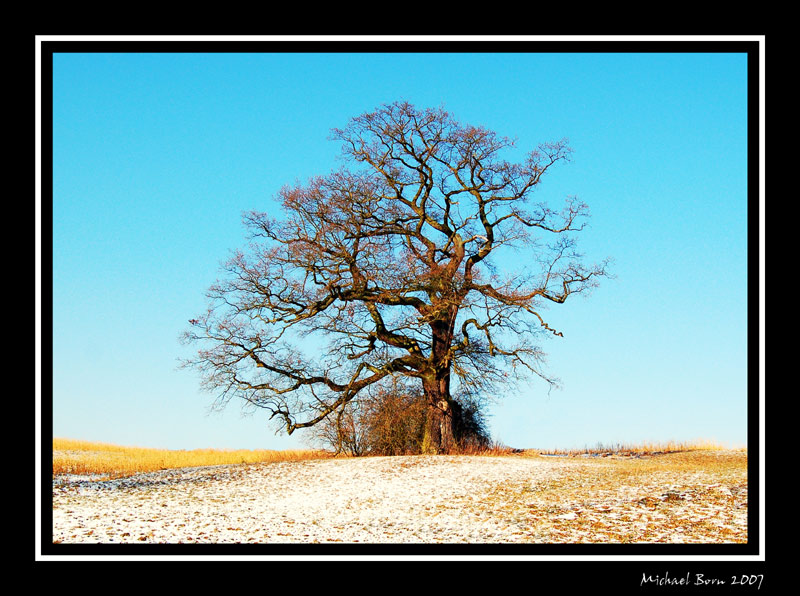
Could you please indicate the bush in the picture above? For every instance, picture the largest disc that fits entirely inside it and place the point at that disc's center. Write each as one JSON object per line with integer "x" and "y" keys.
{"x": 393, "y": 421}
{"x": 471, "y": 429}
{"x": 395, "y": 424}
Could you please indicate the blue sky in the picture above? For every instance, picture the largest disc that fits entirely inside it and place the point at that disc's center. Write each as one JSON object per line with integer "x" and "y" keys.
{"x": 156, "y": 156}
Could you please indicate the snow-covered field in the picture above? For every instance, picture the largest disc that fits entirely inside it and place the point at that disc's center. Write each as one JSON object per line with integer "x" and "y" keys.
{"x": 413, "y": 499}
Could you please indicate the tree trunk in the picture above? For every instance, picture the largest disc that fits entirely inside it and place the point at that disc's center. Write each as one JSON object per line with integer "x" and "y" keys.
{"x": 443, "y": 412}
{"x": 440, "y": 429}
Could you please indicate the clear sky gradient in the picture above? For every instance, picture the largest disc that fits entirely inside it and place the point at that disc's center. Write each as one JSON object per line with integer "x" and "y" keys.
{"x": 156, "y": 156}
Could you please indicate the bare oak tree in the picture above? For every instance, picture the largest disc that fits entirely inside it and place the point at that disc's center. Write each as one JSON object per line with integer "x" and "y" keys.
{"x": 390, "y": 266}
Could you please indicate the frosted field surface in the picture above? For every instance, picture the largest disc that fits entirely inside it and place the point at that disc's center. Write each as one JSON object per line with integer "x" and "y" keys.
{"x": 411, "y": 499}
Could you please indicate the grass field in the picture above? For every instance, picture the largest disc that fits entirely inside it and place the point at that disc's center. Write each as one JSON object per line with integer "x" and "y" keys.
{"x": 684, "y": 496}
{"x": 643, "y": 448}
{"x": 688, "y": 495}
{"x": 106, "y": 460}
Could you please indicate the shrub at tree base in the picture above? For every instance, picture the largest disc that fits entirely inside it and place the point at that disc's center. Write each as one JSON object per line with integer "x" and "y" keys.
{"x": 399, "y": 424}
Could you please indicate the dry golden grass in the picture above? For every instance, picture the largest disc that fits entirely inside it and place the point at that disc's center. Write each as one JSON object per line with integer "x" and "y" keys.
{"x": 691, "y": 495}
{"x": 641, "y": 449}
{"x": 114, "y": 461}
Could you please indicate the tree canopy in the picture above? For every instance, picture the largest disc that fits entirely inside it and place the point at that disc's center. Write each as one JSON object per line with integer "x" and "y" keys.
{"x": 391, "y": 268}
